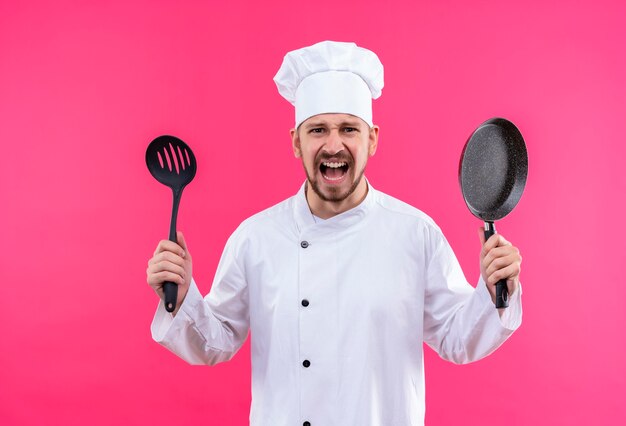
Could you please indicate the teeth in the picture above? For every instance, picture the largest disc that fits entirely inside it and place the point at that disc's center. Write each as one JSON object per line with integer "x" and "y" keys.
{"x": 337, "y": 178}
{"x": 334, "y": 165}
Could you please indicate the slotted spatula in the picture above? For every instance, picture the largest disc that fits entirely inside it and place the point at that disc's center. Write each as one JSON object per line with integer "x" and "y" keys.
{"x": 172, "y": 163}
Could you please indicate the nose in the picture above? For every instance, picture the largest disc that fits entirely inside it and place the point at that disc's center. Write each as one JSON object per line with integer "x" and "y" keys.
{"x": 334, "y": 143}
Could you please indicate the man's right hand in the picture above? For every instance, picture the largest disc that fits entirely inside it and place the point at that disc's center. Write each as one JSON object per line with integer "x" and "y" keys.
{"x": 171, "y": 262}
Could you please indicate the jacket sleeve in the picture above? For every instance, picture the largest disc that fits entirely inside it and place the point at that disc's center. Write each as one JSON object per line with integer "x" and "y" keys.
{"x": 211, "y": 329}
{"x": 461, "y": 323}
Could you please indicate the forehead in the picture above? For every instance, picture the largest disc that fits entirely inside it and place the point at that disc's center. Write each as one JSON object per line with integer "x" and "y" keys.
{"x": 332, "y": 120}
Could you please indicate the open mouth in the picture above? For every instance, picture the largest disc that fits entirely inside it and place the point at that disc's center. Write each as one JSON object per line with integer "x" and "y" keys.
{"x": 334, "y": 171}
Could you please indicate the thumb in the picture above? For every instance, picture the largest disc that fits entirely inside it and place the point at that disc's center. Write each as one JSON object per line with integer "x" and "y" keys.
{"x": 181, "y": 241}
{"x": 481, "y": 235}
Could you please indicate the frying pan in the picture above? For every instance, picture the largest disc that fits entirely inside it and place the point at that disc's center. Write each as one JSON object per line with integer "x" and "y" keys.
{"x": 492, "y": 175}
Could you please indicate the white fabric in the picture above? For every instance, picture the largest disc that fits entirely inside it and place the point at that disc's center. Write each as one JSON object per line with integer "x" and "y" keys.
{"x": 380, "y": 280}
{"x": 333, "y": 92}
{"x": 331, "y": 77}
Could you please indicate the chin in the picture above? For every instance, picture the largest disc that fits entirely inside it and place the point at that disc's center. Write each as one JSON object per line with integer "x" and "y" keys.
{"x": 335, "y": 194}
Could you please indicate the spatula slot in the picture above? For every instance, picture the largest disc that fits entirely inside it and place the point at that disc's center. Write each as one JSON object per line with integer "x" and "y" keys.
{"x": 181, "y": 158}
{"x": 174, "y": 159}
{"x": 167, "y": 157}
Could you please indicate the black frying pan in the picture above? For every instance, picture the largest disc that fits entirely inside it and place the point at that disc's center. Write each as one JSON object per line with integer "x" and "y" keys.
{"x": 492, "y": 174}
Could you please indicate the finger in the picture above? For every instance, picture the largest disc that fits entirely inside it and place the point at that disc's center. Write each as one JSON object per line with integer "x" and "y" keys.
{"x": 502, "y": 241}
{"x": 499, "y": 252}
{"x": 490, "y": 244}
{"x": 167, "y": 256}
{"x": 156, "y": 280}
{"x": 512, "y": 283}
{"x": 510, "y": 272}
{"x": 167, "y": 245}
{"x": 503, "y": 262}
{"x": 496, "y": 240}
{"x": 166, "y": 267}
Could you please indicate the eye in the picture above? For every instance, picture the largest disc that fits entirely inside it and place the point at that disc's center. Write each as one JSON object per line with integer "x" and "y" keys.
{"x": 316, "y": 130}
{"x": 350, "y": 129}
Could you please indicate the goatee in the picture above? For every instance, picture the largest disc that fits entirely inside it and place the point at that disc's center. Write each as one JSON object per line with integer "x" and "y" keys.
{"x": 334, "y": 195}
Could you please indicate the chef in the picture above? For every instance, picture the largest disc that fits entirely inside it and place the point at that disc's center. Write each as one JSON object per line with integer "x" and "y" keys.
{"x": 340, "y": 284}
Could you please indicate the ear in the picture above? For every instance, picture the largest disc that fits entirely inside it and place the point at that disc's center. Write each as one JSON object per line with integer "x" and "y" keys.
{"x": 295, "y": 143}
{"x": 373, "y": 140}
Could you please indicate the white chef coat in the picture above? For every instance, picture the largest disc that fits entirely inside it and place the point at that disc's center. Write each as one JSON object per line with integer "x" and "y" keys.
{"x": 377, "y": 281}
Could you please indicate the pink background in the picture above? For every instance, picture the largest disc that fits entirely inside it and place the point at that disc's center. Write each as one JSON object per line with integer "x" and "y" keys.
{"x": 85, "y": 86}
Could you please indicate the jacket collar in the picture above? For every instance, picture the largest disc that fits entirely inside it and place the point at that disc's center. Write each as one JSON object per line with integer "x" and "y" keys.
{"x": 304, "y": 218}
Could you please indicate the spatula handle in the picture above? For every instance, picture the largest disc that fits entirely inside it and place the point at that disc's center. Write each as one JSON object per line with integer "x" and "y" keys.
{"x": 170, "y": 289}
{"x": 171, "y": 293}
{"x": 502, "y": 291}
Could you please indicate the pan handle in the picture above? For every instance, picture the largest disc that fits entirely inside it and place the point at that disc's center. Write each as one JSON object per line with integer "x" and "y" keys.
{"x": 502, "y": 291}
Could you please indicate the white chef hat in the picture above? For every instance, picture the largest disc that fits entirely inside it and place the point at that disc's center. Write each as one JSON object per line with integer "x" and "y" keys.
{"x": 331, "y": 77}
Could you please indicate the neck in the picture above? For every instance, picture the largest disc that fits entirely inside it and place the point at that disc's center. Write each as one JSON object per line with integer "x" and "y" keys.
{"x": 327, "y": 209}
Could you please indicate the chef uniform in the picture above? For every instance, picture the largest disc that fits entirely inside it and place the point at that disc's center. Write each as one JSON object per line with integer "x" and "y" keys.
{"x": 338, "y": 309}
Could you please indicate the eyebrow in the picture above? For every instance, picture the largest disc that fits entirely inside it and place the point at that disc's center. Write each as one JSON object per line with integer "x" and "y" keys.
{"x": 350, "y": 123}
{"x": 345, "y": 123}
{"x": 314, "y": 124}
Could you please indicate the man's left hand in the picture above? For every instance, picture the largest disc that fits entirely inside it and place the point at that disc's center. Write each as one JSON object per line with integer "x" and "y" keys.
{"x": 499, "y": 259}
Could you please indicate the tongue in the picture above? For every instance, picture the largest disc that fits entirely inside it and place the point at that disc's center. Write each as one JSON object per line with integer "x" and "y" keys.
{"x": 333, "y": 173}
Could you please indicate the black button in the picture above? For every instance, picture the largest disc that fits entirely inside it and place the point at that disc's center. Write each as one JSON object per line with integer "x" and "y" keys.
{"x": 304, "y": 244}
{"x": 306, "y": 424}
{"x": 305, "y": 303}
{"x": 306, "y": 363}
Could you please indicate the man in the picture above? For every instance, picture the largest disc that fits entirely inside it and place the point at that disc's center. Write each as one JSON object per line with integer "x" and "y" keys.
{"x": 341, "y": 284}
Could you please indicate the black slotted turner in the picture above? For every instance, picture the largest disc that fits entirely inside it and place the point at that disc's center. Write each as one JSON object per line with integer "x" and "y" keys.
{"x": 172, "y": 163}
